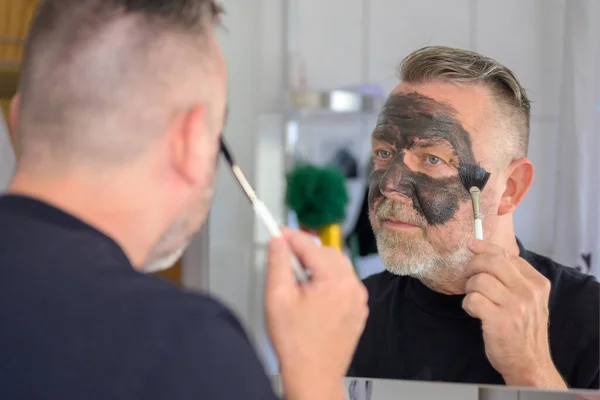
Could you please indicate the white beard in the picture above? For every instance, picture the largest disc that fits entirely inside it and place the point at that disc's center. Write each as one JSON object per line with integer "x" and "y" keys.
{"x": 164, "y": 263}
{"x": 177, "y": 230}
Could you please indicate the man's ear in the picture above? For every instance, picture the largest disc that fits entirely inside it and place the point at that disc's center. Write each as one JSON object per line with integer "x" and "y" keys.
{"x": 519, "y": 179}
{"x": 189, "y": 144}
{"x": 12, "y": 119}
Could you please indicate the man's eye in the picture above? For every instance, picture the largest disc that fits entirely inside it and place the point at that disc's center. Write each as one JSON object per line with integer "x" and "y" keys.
{"x": 434, "y": 160}
{"x": 384, "y": 154}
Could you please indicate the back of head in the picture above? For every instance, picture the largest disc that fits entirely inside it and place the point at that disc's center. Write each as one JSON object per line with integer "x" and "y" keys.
{"x": 458, "y": 66}
{"x": 101, "y": 78}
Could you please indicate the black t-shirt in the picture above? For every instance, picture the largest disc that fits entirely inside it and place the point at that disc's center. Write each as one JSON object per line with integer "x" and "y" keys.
{"x": 415, "y": 333}
{"x": 77, "y": 322}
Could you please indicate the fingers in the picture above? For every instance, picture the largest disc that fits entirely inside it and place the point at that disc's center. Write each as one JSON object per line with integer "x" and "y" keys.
{"x": 494, "y": 260}
{"x": 321, "y": 261}
{"x": 486, "y": 247}
{"x": 532, "y": 274}
{"x": 479, "y": 306}
{"x": 498, "y": 266}
{"x": 490, "y": 287}
{"x": 280, "y": 276}
{"x": 511, "y": 270}
{"x": 303, "y": 246}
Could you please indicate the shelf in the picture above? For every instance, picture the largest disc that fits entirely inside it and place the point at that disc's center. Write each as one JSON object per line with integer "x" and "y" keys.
{"x": 335, "y": 103}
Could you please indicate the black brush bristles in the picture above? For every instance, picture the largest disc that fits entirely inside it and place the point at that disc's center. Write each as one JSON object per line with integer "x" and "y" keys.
{"x": 226, "y": 153}
{"x": 237, "y": 172}
{"x": 473, "y": 176}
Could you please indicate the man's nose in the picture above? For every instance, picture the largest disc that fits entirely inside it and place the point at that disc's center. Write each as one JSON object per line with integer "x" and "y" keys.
{"x": 396, "y": 184}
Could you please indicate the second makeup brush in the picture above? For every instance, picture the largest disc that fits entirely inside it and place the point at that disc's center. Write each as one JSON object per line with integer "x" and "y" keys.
{"x": 474, "y": 179}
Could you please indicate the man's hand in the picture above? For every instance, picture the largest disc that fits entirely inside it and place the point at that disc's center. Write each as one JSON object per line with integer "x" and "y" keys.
{"x": 314, "y": 327}
{"x": 510, "y": 297}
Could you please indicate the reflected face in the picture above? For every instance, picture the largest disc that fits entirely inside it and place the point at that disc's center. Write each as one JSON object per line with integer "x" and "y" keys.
{"x": 419, "y": 209}
{"x": 418, "y": 146}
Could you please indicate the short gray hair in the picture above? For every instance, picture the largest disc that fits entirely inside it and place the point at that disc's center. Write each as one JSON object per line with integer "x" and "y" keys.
{"x": 464, "y": 66}
{"x": 75, "y": 76}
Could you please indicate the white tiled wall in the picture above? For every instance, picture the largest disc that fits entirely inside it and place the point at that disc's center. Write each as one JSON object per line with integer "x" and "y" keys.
{"x": 534, "y": 218}
{"x": 330, "y": 41}
{"x": 398, "y": 27}
{"x": 527, "y": 36}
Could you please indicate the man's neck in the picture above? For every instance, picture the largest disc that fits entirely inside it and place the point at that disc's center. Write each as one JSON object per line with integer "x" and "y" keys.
{"x": 112, "y": 211}
{"x": 504, "y": 235}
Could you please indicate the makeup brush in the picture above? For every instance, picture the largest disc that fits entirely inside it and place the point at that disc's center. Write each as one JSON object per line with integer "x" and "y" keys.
{"x": 261, "y": 210}
{"x": 474, "y": 179}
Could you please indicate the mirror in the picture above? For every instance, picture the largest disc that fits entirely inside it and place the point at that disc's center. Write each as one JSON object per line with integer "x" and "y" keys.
{"x": 340, "y": 66}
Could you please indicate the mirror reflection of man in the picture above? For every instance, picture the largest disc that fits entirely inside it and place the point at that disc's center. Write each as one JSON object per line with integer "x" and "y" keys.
{"x": 449, "y": 308}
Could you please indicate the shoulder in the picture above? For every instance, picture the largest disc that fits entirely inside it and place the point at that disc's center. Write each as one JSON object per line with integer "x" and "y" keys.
{"x": 179, "y": 310}
{"x": 574, "y": 307}
{"x": 570, "y": 288}
{"x": 207, "y": 354}
{"x": 196, "y": 346}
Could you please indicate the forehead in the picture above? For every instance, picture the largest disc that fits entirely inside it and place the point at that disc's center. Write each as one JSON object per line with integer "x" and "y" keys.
{"x": 467, "y": 105}
{"x": 471, "y": 103}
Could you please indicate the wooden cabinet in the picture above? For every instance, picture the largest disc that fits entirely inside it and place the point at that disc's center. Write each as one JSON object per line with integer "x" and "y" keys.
{"x": 173, "y": 274}
{"x": 15, "y": 17}
{"x": 8, "y": 86}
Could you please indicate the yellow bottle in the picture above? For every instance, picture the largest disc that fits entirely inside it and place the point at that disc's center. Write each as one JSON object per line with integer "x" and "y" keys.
{"x": 331, "y": 236}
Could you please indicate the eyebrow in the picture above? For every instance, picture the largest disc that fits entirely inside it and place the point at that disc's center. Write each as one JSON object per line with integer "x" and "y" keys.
{"x": 430, "y": 143}
{"x": 385, "y": 135}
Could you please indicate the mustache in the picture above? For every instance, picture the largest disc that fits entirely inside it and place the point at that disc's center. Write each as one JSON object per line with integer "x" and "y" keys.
{"x": 389, "y": 209}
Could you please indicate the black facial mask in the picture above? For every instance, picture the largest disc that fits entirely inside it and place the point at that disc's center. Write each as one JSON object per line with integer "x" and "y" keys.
{"x": 405, "y": 120}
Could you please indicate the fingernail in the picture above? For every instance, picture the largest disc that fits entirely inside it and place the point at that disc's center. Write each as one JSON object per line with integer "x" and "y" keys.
{"x": 472, "y": 242}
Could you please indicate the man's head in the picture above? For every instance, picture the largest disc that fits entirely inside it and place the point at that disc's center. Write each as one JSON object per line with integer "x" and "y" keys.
{"x": 453, "y": 107}
{"x": 130, "y": 95}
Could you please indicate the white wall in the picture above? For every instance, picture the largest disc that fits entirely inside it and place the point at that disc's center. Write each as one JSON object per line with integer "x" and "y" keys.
{"x": 528, "y": 37}
{"x": 231, "y": 218}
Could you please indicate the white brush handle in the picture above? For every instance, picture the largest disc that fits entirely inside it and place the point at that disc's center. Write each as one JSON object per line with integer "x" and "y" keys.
{"x": 267, "y": 218}
{"x": 263, "y": 213}
{"x": 478, "y": 229}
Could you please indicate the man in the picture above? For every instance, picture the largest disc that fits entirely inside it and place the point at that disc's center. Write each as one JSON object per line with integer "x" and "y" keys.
{"x": 118, "y": 119}
{"x": 448, "y": 307}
